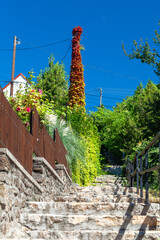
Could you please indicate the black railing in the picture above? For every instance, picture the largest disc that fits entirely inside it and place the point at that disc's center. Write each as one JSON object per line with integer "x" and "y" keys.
{"x": 135, "y": 168}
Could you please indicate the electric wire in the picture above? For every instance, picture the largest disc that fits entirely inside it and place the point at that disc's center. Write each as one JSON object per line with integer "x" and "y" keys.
{"x": 65, "y": 54}
{"x": 90, "y": 102}
{"x": 99, "y": 107}
{"x": 4, "y": 77}
{"x": 104, "y": 97}
{"x": 93, "y": 90}
{"x": 65, "y": 40}
{"x": 112, "y": 72}
{"x": 112, "y": 90}
{"x": 36, "y": 47}
{"x": 107, "y": 106}
{"x": 43, "y": 49}
{"x": 119, "y": 89}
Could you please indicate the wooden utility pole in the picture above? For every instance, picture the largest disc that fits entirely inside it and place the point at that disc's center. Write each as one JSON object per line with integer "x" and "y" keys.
{"x": 100, "y": 97}
{"x": 13, "y": 64}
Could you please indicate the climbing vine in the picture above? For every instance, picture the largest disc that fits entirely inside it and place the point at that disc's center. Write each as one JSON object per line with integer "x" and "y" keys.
{"x": 76, "y": 89}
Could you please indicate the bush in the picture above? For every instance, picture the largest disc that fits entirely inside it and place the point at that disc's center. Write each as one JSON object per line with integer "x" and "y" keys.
{"x": 26, "y": 100}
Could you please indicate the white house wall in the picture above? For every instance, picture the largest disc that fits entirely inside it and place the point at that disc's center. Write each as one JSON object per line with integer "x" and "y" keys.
{"x": 18, "y": 83}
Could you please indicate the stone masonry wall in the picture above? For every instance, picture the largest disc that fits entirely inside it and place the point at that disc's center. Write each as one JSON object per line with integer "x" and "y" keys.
{"x": 62, "y": 172}
{"x": 16, "y": 187}
{"x": 49, "y": 179}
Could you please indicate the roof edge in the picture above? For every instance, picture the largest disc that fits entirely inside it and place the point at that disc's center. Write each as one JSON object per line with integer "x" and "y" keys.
{"x": 15, "y": 79}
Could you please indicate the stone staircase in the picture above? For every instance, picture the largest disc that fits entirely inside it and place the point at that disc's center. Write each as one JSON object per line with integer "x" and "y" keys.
{"x": 105, "y": 211}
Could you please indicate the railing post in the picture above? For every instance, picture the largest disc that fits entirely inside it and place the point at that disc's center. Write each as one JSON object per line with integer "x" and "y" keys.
{"x": 159, "y": 163}
{"x": 132, "y": 178}
{"x": 137, "y": 167}
{"x": 146, "y": 167}
{"x": 31, "y": 122}
{"x": 127, "y": 170}
{"x": 141, "y": 178}
{"x": 123, "y": 157}
{"x": 159, "y": 151}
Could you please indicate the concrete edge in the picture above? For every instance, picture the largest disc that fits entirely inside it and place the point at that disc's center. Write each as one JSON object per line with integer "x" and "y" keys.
{"x": 62, "y": 167}
{"x": 44, "y": 161}
{"x": 21, "y": 168}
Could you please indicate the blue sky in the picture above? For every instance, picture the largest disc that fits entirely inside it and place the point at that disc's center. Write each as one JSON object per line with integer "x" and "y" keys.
{"x": 105, "y": 25}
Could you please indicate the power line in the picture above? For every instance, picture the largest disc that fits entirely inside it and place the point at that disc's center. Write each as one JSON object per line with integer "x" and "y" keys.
{"x": 66, "y": 53}
{"x": 4, "y": 77}
{"x": 99, "y": 107}
{"x": 93, "y": 90}
{"x": 91, "y": 108}
{"x": 90, "y": 102}
{"x": 107, "y": 106}
{"x": 113, "y": 91}
{"x": 4, "y": 80}
{"x": 112, "y": 72}
{"x": 117, "y": 90}
{"x": 104, "y": 97}
{"x": 42, "y": 49}
{"x": 36, "y": 47}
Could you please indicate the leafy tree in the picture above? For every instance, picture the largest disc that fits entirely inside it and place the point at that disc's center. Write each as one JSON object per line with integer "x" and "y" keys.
{"x": 145, "y": 54}
{"x": 53, "y": 82}
{"x": 133, "y": 120}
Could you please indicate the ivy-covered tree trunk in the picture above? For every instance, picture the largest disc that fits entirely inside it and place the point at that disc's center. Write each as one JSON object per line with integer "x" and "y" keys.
{"x": 76, "y": 89}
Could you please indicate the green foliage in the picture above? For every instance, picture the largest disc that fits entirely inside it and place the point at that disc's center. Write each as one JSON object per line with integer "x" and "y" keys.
{"x": 145, "y": 54}
{"x": 26, "y": 100}
{"x": 83, "y": 124}
{"x": 133, "y": 120}
{"x": 76, "y": 88}
{"x": 153, "y": 160}
{"x": 72, "y": 142}
{"x": 53, "y": 82}
{"x": 83, "y": 147}
{"x": 78, "y": 133}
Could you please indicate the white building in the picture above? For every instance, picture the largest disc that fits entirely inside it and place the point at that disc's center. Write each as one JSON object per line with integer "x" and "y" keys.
{"x": 19, "y": 82}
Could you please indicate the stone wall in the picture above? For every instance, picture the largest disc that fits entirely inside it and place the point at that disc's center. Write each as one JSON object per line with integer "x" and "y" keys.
{"x": 53, "y": 182}
{"x": 17, "y": 187}
{"x": 62, "y": 172}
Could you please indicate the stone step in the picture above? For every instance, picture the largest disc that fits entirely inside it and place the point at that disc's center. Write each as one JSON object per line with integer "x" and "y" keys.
{"x": 110, "y": 192}
{"x": 98, "y": 198}
{"x": 112, "y": 177}
{"x": 95, "y": 235}
{"x": 29, "y": 238}
{"x": 104, "y": 178}
{"x": 106, "y": 192}
{"x": 106, "y": 188}
{"x": 108, "y": 181}
{"x": 75, "y": 222}
{"x": 90, "y": 208}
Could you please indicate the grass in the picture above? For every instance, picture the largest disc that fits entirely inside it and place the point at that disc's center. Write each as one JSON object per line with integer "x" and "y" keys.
{"x": 154, "y": 195}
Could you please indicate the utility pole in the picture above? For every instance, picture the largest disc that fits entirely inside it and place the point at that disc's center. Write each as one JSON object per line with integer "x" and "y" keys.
{"x": 13, "y": 64}
{"x": 100, "y": 97}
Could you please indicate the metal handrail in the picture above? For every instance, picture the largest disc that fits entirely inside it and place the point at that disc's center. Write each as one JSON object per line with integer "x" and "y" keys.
{"x": 139, "y": 171}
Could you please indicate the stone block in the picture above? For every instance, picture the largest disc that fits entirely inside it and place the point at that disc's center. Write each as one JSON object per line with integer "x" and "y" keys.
{"x": 2, "y": 190}
{"x": 4, "y": 177}
{"x": 4, "y": 163}
{"x": 3, "y": 202}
